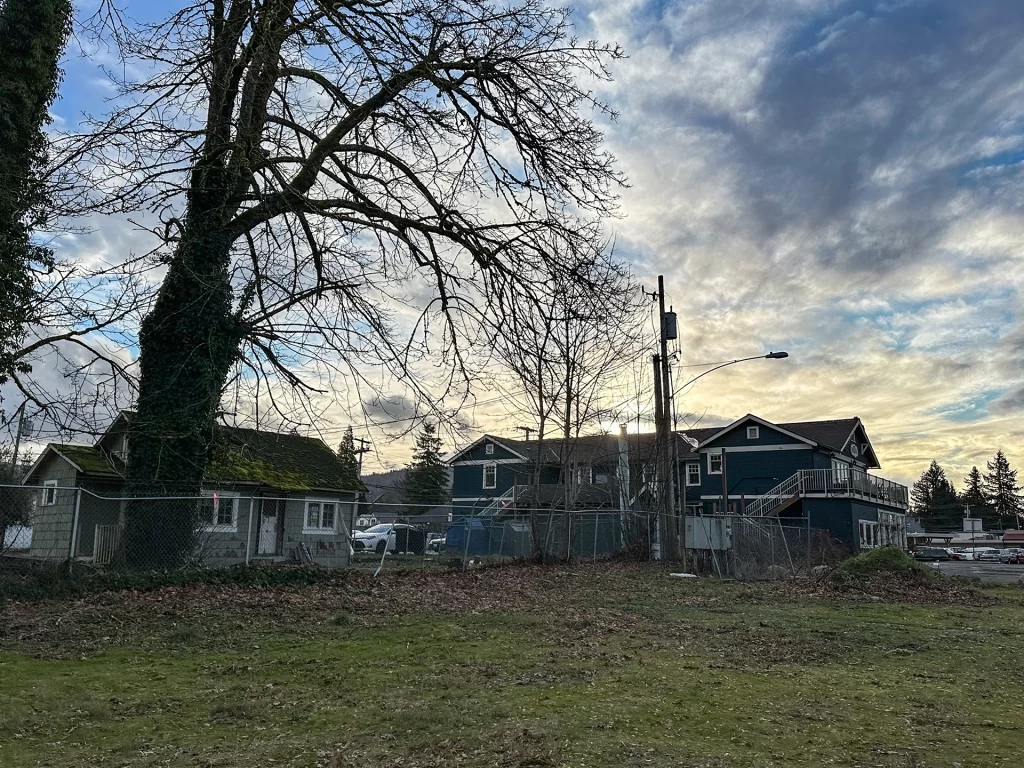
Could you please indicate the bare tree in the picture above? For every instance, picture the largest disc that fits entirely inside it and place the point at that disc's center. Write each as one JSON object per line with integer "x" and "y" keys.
{"x": 565, "y": 355}
{"x": 317, "y": 163}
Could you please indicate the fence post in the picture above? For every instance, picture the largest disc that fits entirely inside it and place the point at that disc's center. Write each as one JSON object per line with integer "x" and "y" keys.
{"x": 596, "y": 518}
{"x": 465, "y": 553}
{"x": 248, "y": 532}
{"x": 73, "y": 545}
{"x": 808, "y": 543}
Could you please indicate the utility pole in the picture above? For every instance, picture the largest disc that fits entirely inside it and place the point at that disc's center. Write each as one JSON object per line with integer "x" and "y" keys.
{"x": 667, "y": 449}
{"x": 17, "y": 439}
{"x": 660, "y": 454}
{"x": 363, "y": 443}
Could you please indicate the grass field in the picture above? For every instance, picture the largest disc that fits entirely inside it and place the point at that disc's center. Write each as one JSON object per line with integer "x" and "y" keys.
{"x": 598, "y": 665}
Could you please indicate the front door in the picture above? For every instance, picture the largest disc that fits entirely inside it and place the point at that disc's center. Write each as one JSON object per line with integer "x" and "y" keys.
{"x": 271, "y": 520}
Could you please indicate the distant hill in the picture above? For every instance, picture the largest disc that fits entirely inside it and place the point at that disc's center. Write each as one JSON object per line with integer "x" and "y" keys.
{"x": 382, "y": 487}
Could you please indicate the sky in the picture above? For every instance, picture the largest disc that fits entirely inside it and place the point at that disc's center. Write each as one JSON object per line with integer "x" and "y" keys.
{"x": 840, "y": 180}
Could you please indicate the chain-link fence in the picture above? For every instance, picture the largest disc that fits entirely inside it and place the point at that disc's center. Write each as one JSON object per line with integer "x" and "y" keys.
{"x": 51, "y": 525}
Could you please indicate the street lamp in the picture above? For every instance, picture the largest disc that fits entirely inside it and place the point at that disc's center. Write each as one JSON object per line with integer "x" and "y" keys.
{"x": 769, "y": 356}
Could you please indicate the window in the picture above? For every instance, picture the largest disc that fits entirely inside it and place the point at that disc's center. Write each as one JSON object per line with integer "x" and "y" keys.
{"x": 753, "y": 433}
{"x": 321, "y": 517}
{"x": 49, "y": 493}
{"x": 714, "y": 463}
{"x": 840, "y": 472}
{"x": 218, "y": 511}
{"x": 868, "y": 534}
{"x": 489, "y": 448}
{"x": 601, "y": 479}
{"x": 693, "y": 474}
{"x": 585, "y": 474}
{"x": 490, "y": 475}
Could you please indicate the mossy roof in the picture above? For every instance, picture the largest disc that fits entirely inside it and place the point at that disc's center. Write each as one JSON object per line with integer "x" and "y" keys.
{"x": 90, "y": 459}
{"x": 288, "y": 462}
{"x": 283, "y": 461}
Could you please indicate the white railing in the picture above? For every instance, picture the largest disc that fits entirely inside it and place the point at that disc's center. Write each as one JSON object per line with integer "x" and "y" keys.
{"x": 775, "y": 498}
{"x": 500, "y": 504}
{"x": 846, "y": 483}
{"x": 854, "y": 483}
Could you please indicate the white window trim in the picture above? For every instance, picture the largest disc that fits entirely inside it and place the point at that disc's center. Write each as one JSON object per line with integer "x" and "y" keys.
{"x": 321, "y": 530}
{"x": 484, "y": 479}
{"x": 47, "y": 485}
{"x": 710, "y": 470}
{"x": 221, "y": 497}
{"x": 585, "y": 474}
{"x": 753, "y": 433}
{"x": 686, "y": 473}
{"x": 868, "y": 534}
{"x": 489, "y": 449}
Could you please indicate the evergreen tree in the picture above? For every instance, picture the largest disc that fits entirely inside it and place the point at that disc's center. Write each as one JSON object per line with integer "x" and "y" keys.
{"x": 32, "y": 37}
{"x": 974, "y": 499}
{"x": 1001, "y": 490}
{"x": 348, "y": 458}
{"x": 426, "y": 480}
{"x": 934, "y": 499}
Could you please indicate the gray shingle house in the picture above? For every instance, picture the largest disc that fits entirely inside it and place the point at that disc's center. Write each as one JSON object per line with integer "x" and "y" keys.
{"x": 266, "y": 496}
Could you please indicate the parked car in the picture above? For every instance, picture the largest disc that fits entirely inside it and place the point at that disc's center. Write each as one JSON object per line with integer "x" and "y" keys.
{"x": 1017, "y": 558}
{"x": 956, "y": 554}
{"x": 1007, "y": 554}
{"x": 987, "y": 555}
{"x": 381, "y": 537}
{"x": 436, "y": 543}
{"x": 931, "y": 554}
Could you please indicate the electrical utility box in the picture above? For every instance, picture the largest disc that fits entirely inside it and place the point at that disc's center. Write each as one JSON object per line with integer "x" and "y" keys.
{"x": 670, "y": 329}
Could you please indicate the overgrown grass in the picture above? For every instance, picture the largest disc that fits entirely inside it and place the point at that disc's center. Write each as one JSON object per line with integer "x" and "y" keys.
{"x": 643, "y": 670}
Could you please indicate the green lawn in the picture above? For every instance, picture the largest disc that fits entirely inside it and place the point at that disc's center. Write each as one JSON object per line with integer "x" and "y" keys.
{"x": 592, "y": 666}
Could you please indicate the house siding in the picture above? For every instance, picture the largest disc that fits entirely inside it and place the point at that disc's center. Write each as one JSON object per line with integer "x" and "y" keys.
{"x": 51, "y": 525}
{"x": 749, "y": 473}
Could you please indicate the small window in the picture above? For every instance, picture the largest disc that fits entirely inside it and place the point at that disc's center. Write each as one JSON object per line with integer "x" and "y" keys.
{"x": 218, "y": 511}
{"x": 854, "y": 450}
{"x": 489, "y": 448}
{"x": 490, "y": 475}
{"x": 49, "y": 493}
{"x": 585, "y": 475}
{"x": 321, "y": 517}
{"x": 601, "y": 479}
{"x": 714, "y": 463}
{"x": 753, "y": 433}
{"x": 693, "y": 474}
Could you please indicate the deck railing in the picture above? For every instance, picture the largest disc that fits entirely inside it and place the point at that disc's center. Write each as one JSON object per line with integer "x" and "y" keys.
{"x": 843, "y": 483}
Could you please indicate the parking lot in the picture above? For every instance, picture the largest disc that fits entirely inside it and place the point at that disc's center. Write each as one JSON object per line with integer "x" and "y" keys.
{"x": 987, "y": 571}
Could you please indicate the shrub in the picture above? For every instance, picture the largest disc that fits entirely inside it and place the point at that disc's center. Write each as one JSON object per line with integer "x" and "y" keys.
{"x": 888, "y": 561}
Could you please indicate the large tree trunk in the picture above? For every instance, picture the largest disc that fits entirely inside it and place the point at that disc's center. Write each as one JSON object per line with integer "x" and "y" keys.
{"x": 187, "y": 346}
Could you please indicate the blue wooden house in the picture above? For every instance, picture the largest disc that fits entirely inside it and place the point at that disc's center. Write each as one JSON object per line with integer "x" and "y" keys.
{"x": 813, "y": 469}
{"x": 495, "y": 474}
{"x": 816, "y": 469}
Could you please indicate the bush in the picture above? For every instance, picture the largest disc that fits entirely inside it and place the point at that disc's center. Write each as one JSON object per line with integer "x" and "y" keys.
{"x": 56, "y": 582}
{"x": 885, "y": 561}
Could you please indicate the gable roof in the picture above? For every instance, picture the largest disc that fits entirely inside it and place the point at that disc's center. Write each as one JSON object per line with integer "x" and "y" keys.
{"x": 506, "y": 444}
{"x": 763, "y": 422}
{"x": 86, "y": 459}
{"x": 284, "y": 461}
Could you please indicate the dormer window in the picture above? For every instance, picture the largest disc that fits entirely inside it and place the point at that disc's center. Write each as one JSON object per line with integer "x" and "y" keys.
{"x": 753, "y": 433}
{"x": 489, "y": 448}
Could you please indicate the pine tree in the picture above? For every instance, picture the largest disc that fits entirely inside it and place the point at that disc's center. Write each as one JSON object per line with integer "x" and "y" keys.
{"x": 1001, "y": 490}
{"x": 348, "y": 458}
{"x": 934, "y": 499}
{"x": 426, "y": 480}
{"x": 974, "y": 498}
{"x": 32, "y": 37}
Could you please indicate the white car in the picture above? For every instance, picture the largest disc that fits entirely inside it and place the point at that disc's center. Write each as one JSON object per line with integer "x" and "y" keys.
{"x": 378, "y": 538}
